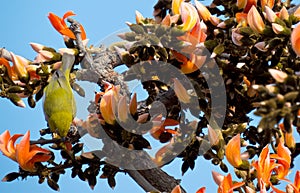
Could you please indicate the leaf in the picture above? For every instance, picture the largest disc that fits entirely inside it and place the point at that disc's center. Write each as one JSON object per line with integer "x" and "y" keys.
{"x": 52, "y": 184}
{"x": 92, "y": 181}
{"x": 111, "y": 182}
{"x": 10, "y": 177}
{"x": 185, "y": 166}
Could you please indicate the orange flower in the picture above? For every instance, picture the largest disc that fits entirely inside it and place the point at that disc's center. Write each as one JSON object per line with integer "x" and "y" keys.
{"x": 241, "y": 4}
{"x": 176, "y": 6}
{"x": 283, "y": 158}
{"x": 176, "y": 189}
{"x": 5, "y": 63}
{"x": 288, "y": 137}
{"x": 159, "y": 128}
{"x": 19, "y": 66}
{"x": 60, "y": 25}
{"x": 249, "y": 4}
{"x": 269, "y": 3}
{"x": 7, "y": 144}
{"x": 27, "y": 155}
{"x": 233, "y": 151}
{"x": 203, "y": 11}
{"x": 23, "y": 153}
{"x": 255, "y": 21}
{"x": 241, "y": 18}
{"x": 295, "y": 39}
{"x": 108, "y": 103}
{"x": 264, "y": 166}
{"x": 189, "y": 16}
{"x": 227, "y": 185}
{"x": 297, "y": 13}
{"x": 296, "y": 184}
{"x": 201, "y": 190}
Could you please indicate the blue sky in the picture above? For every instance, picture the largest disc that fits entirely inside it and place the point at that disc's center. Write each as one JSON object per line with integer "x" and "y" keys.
{"x": 26, "y": 21}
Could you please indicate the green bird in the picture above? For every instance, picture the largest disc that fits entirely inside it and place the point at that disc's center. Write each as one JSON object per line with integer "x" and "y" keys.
{"x": 59, "y": 102}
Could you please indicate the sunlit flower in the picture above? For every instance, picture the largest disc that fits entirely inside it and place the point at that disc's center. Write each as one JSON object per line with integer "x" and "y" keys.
{"x": 277, "y": 29}
{"x": 227, "y": 186}
{"x": 236, "y": 37}
{"x": 255, "y": 21}
{"x": 233, "y": 151}
{"x": 261, "y": 46}
{"x": 27, "y": 155}
{"x": 288, "y": 137}
{"x": 123, "y": 109}
{"x": 203, "y": 11}
{"x": 139, "y": 17}
{"x": 108, "y": 103}
{"x": 241, "y": 19}
{"x": 262, "y": 186}
{"x": 60, "y": 25}
{"x": 295, "y": 39}
{"x": 7, "y": 144}
{"x": 212, "y": 136}
{"x": 278, "y": 75}
{"x": 264, "y": 166}
{"x": 270, "y": 14}
{"x": 269, "y": 3}
{"x": 201, "y": 190}
{"x": 296, "y": 185}
{"x": 297, "y": 13}
{"x": 19, "y": 66}
{"x": 241, "y": 3}
{"x": 5, "y": 63}
{"x": 181, "y": 92}
{"x": 176, "y": 189}
{"x": 217, "y": 177}
{"x": 176, "y": 6}
{"x": 249, "y": 4}
{"x": 168, "y": 19}
{"x": 189, "y": 16}
{"x": 133, "y": 104}
{"x": 159, "y": 126}
{"x": 283, "y": 158}
{"x": 283, "y": 13}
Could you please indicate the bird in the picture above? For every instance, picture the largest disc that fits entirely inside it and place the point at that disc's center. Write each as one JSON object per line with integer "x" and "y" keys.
{"x": 59, "y": 104}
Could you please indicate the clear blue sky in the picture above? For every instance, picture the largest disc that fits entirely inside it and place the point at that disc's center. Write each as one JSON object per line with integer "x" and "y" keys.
{"x": 26, "y": 21}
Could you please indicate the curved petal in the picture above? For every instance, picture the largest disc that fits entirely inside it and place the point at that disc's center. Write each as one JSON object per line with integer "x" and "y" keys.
{"x": 189, "y": 16}
{"x": 255, "y": 21}
{"x": 56, "y": 22}
{"x": 175, "y": 6}
{"x": 176, "y": 189}
{"x": 233, "y": 151}
{"x": 201, "y": 190}
{"x": 295, "y": 39}
{"x": 5, "y": 63}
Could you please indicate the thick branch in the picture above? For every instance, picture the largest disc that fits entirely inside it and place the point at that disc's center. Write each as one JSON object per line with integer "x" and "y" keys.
{"x": 101, "y": 67}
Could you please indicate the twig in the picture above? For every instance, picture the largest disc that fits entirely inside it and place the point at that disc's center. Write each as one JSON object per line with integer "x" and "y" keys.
{"x": 75, "y": 27}
{"x": 43, "y": 141}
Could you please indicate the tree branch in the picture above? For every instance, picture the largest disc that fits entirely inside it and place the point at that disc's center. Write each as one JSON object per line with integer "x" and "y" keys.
{"x": 100, "y": 66}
